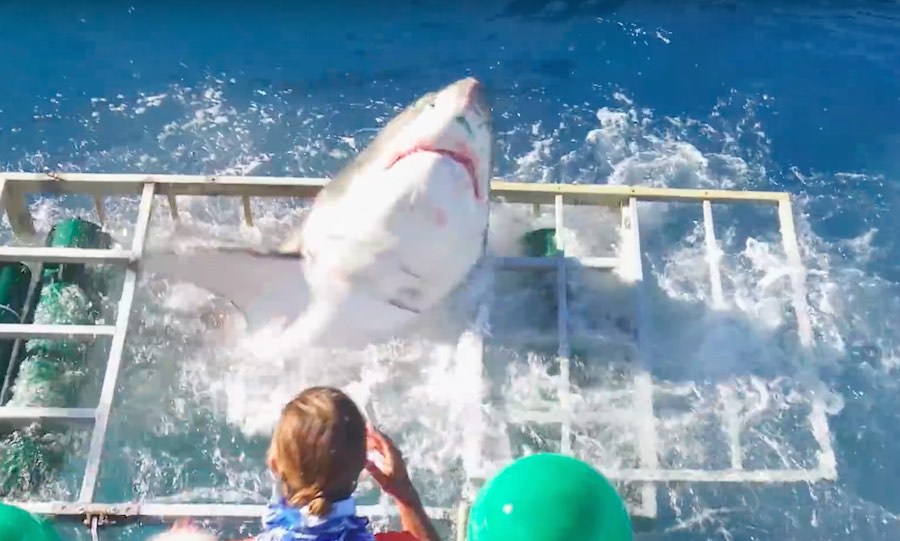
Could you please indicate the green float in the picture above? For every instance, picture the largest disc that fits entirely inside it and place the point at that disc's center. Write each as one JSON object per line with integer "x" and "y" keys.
{"x": 540, "y": 243}
{"x": 54, "y": 370}
{"x": 15, "y": 280}
{"x": 16, "y": 524}
{"x": 548, "y": 497}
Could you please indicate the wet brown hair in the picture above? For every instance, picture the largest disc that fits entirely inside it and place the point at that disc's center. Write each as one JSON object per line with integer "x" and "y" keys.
{"x": 318, "y": 449}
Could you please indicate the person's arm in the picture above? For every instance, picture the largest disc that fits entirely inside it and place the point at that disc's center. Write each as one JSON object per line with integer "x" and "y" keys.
{"x": 414, "y": 519}
{"x": 393, "y": 478}
{"x": 395, "y": 536}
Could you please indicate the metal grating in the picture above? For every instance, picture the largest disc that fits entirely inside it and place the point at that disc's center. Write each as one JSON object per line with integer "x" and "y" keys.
{"x": 14, "y": 186}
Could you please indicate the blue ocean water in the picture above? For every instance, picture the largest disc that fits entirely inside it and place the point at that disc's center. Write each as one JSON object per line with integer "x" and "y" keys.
{"x": 799, "y": 96}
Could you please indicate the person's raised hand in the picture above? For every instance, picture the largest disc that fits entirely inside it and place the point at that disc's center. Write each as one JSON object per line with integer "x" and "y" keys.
{"x": 390, "y": 474}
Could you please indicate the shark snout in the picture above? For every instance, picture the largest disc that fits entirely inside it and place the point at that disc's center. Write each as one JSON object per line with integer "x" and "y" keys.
{"x": 473, "y": 93}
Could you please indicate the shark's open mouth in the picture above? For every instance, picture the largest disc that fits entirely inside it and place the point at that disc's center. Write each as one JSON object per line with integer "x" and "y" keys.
{"x": 460, "y": 158}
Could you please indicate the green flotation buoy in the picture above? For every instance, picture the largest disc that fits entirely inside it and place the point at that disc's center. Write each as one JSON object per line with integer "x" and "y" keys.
{"x": 17, "y": 524}
{"x": 540, "y": 242}
{"x": 542, "y": 284}
{"x": 548, "y": 497}
{"x": 53, "y": 371}
{"x": 15, "y": 280}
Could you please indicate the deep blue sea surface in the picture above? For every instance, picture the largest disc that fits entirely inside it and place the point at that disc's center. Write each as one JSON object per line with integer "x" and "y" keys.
{"x": 797, "y": 96}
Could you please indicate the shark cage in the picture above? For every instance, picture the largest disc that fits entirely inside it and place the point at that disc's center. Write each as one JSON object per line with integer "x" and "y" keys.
{"x": 638, "y": 477}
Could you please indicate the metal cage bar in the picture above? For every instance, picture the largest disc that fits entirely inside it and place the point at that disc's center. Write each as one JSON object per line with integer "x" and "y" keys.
{"x": 643, "y": 382}
{"x": 64, "y": 255}
{"x": 731, "y": 425}
{"x": 125, "y": 510}
{"x": 562, "y": 327}
{"x": 713, "y": 255}
{"x": 13, "y": 201}
{"x": 114, "y": 362}
{"x": 469, "y": 358}
{"x": 15, "y": 357}
{"x": 110, "y": 184}
{"x": 545, "y": 263}
{"x": 36, "y": 330}
{"x": 797, "y": 272}
{"x": 29, "y": 413}
{"x": 818, "y": 419}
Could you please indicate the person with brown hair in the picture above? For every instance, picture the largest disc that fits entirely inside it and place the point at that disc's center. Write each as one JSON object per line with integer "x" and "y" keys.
{"x": 319, "y": 449}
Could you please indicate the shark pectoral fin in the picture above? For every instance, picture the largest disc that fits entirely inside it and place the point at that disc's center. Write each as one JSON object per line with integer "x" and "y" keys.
{"x": 265, "y": 286}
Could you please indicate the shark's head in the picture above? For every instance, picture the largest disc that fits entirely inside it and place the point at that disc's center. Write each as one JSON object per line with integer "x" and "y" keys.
{"x": 455, "y": 122}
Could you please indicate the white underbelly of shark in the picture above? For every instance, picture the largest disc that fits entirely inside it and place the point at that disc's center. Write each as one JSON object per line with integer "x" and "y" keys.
{"x": 406, "y": 248}
{"x": 384, "y": 242}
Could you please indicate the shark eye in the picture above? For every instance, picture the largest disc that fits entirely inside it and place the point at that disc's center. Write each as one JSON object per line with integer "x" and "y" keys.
{"x": 427, "y": 101}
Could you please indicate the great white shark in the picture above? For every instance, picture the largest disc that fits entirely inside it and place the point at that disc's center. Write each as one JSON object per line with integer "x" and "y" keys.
{"x": 385, "y": 241}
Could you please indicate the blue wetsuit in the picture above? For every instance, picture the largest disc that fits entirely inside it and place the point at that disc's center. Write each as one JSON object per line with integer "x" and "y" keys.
{"x": 285, "y": 523}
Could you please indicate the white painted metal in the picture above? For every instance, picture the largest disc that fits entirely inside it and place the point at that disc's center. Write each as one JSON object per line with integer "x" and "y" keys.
{"x": 123, "y": 316}
{"x": 462, "y": 520}
{"x": 562, "y": 327}
{"x": 577, "y": 340}
{"x": 538, "y": 263}
{"x": 109, "y": 184}
{"x": 35, "y": 413}
{"x": 469, "y": 361}
{"x": 643, "y": 383}
{"x": 818, "y": 419}
{"x": 731, "y": 425}
{"x": 713, "y": 254}
{"x": 181, "y": 510}
{"x": 13, "y": 187}
{"x": 19, "y": 218}
{"x": 34, "y": 330}
{"x": 797, "y": 272}
{"x": 15, "y": 354}
{"x": 64, "y": 255}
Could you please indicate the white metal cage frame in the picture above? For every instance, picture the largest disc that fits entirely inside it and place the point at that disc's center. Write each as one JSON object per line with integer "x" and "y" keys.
{"x": 15, "y": 186}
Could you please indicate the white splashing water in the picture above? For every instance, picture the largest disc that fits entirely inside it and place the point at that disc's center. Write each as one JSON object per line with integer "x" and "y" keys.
{"x": 195, "y": 412}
